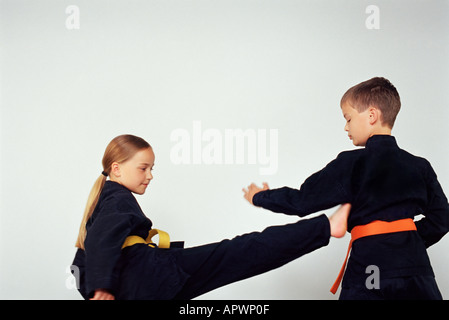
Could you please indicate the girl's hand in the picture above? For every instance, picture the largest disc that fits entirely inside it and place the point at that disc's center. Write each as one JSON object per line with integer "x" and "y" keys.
{"x": 102, "y": 294}
{"x": 252, "y": 190}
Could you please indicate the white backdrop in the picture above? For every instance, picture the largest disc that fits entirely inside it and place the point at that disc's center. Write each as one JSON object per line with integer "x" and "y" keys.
{"x": 75, "y": 74}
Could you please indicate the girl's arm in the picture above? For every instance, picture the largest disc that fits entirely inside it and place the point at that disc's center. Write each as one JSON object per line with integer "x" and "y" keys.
{"x": 103, "y": 243}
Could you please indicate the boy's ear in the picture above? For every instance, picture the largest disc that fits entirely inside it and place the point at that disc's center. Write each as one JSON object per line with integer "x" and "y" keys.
{"x": 374, "y": 115}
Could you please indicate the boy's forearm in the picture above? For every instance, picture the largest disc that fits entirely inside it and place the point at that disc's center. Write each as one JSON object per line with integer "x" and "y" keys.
{"x": 434, "y": 225}
{"x": 283, "y": 200}
{"x": 430, "y": 232}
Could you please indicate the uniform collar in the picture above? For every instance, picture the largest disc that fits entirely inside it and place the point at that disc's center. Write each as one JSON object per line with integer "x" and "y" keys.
{"x": 381, "y": 141}
{"x": 112, "y": 186}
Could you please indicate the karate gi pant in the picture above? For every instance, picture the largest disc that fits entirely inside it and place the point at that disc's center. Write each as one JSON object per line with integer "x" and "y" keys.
{"x": 214, "y": 265}
{"x": 401, "y": 288}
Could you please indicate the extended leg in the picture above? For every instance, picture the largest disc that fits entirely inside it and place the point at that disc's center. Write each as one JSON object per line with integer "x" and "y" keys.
{"x": 214, "y": 265}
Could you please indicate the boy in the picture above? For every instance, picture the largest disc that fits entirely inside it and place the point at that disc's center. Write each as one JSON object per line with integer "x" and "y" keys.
{"x": 382, "y": 182}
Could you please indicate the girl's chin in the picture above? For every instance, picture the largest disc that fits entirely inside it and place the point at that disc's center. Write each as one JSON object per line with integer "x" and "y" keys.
{"x": 139, "y": 191}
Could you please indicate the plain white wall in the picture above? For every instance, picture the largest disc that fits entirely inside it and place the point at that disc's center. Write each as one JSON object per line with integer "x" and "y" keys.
{"x": 151, "y": 67}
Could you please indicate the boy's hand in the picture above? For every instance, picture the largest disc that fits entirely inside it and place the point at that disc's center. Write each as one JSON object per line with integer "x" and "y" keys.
{"x": 252, "y": 190}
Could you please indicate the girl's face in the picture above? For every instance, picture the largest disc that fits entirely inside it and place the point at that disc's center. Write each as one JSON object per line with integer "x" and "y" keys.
{"x": 135, "y": 173}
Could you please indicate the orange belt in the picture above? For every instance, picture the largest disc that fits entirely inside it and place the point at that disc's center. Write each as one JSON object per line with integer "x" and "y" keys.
{"x": 371, "y": 229}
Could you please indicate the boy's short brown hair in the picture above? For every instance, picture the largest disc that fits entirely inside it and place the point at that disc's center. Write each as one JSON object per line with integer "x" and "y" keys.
{"x": 377, "y": 92}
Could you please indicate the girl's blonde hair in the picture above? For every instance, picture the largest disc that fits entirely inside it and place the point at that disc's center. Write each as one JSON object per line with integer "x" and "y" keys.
{"x": 120, "y": 149}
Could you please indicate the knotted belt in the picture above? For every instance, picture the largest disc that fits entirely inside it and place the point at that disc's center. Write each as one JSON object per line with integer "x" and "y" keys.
{"x": 164, "y": 239}
{"x": 371, "y": 229}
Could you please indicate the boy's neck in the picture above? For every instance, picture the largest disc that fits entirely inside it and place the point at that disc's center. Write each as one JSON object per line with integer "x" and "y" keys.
{"x": 381, "y": 131}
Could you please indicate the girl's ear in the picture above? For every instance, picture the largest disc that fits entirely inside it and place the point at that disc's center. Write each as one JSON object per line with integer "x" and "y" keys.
{"x": 115, "y": 169}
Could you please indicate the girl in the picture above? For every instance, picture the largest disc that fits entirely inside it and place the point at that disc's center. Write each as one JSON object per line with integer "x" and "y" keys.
{"x": 113, "y": 267}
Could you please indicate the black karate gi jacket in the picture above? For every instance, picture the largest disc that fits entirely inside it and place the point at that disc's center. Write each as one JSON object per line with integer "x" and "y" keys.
{"x": 382, "y": 182}
{"x": 135, "y": 272}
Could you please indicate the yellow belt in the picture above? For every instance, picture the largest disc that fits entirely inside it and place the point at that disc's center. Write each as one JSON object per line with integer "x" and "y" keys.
{"x": 164, "y": 239}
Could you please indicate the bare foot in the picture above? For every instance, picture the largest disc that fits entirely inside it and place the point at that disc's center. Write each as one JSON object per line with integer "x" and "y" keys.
{"x": 339, "y": 221}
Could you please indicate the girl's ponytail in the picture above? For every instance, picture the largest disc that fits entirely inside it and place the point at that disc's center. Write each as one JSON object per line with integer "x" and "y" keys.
{"x": 90, "y": 206}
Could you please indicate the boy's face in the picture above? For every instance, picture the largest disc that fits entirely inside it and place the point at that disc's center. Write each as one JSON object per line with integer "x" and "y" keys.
{"x": 357, "y": 124}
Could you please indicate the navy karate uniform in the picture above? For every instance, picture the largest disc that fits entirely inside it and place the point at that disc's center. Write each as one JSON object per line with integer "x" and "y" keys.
{"x": 143, "y": 272}
{"x": 382, "y": 182}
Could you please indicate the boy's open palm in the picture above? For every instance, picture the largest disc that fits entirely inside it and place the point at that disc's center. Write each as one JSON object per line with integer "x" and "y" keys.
{"x": 252, "y": 190}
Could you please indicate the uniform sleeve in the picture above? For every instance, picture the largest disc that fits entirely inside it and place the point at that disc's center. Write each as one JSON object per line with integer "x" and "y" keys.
{"x": 435, "y": 223}
{"x": 322, "y": 190}
{"x": 103, "y": 245}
